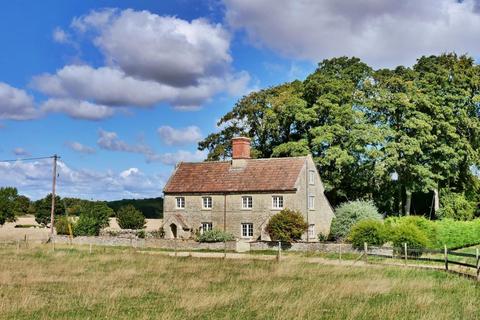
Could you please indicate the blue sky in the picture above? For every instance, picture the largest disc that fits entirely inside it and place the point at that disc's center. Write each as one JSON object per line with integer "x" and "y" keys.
{"x": 122, "y": 90}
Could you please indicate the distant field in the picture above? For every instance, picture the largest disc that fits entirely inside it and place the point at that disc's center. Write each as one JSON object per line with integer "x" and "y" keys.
{"x": 118, "y": 283}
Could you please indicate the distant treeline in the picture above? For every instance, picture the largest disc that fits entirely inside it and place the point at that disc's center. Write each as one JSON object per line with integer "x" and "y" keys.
{"x": 151, "y": 208}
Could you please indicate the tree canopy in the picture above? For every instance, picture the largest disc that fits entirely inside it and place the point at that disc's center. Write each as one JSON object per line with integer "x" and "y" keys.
{"x": 419, "y": 124}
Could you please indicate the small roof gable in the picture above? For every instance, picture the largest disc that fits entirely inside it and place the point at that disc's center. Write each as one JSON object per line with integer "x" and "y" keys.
{"x": 256, "y": 175}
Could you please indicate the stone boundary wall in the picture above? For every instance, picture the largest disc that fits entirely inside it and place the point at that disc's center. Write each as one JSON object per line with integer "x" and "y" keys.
{"x": 148, "y": 243}
{"x": 304, "y": 246}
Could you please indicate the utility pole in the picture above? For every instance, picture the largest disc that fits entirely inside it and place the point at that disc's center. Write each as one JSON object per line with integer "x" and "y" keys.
{"x": 54, "y": 182}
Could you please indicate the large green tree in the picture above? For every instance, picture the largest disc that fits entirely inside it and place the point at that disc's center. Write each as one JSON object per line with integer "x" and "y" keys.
{"x": 8, "y": 197}
{"x": 364, "y": 127}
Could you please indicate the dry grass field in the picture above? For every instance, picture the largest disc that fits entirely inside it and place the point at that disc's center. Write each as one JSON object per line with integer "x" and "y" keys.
{"x": 119, "y": 283}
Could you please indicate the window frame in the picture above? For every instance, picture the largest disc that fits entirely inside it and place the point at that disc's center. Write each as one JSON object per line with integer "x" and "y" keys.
{"x": 311, "y": 205}
{"x": 311, "y": 177}
{"x": 275, "y": 203}
{"x": 248, "y": 230}
{"x": 243, "y": 203}
{"x": 182, "y": 200}
{"x": 209, "y": 227}
{"x": 203, "y": 203}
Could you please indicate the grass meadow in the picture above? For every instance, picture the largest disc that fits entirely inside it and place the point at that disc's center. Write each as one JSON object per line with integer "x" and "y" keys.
{"x": 119, "y": 283}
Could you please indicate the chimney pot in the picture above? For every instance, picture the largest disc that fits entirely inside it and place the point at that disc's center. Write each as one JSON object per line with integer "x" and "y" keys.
{"x": 241, "y": 148}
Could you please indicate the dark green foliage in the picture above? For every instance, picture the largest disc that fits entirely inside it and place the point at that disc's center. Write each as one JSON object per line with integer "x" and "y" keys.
{"x": 43, "y": 209}
{"x": 415, "y": 239}
{"x": 349, "y": 213}
{"x": 457, "y": 234}
{"x": 215, "y": 235}
{"x": 93, "y": 217}
{"x": 456, "y": 206}
{"x": 286, "y": 226}
{"x": 22, "y": 205}
{"x": 361, "y": 125}
{"x": 150, "y": 208}
{"x": 372, "y": 232}
{"x": 130, "y": 218}
{"x": 8, "y": 198}
{"x": 427, "y": 227}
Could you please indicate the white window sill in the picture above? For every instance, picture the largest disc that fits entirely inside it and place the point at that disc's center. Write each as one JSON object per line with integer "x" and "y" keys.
{"x": 247, "y": 209}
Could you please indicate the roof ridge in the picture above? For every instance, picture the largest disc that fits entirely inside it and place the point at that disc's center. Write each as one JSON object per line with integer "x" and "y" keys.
{"x": 251, "y": 159}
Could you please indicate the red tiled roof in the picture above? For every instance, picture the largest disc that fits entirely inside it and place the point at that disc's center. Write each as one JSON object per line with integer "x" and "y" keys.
{"x": 273, "y": 174}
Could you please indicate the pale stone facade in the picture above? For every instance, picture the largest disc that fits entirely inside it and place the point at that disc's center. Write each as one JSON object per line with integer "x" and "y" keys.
{"x": 227, "y": 212}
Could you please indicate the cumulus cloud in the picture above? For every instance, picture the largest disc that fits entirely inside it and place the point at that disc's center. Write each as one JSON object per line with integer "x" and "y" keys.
{"x": 59, "y": 35}
{"x": 383, "y": 33}
{"x": 78, "y": 147}
{"x": 77, "y": 109}
{"x": 109, "y": 140}
{"x": 172, "y": 158}
{"x": 21, "y": 152}
{"x": 34, "y": 179}
{"x": 172, "y": 136}
{"x": 149, "y": 59}
{"x": 16, "y": 104}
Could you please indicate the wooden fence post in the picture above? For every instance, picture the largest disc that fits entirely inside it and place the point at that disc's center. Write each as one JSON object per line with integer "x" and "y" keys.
{"x": 279, "y": 250}
{"x": 365, "y": 248}
{"x": 405, "y": 249}
{"x": 175, "y": 246}
{"x": 18, "y": 245}
{"x": 478, "y": 265}
{"x": 446, "y": 256}
{"x": 340, "y": 251}
{"x": 90, "y": 248}
{"x": 224, "y": 249}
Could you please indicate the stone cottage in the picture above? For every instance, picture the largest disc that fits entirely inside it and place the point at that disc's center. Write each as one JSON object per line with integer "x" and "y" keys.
{"x": 239, "y": 196}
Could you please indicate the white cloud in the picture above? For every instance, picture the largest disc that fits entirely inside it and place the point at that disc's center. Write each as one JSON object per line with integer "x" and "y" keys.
{"x": 77, "y": 109}
{"x": 172, "y": 136}
{"x": 150, "y": 59}
{"x": 172, "y": 158}
{"x": 34, "y": 179}
{"x": 59, "y": 35}
{"x": 16, "y": 104}
{"x": 383, "y": 33}
{"x": 109, "y": 140}
{"x": 78, "y": 147}
{"x": 21, "y": 152}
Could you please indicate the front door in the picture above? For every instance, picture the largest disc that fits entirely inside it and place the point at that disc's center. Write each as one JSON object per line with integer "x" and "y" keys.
{"x": 173, "y": 228}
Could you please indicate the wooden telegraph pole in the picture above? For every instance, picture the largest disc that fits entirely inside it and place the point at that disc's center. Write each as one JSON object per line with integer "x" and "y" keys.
{"x": 54, "y": 182}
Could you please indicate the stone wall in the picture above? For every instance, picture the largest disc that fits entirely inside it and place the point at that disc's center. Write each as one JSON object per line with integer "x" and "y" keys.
{"x": 304, "y": 246}
{"x": 147, "y": 243}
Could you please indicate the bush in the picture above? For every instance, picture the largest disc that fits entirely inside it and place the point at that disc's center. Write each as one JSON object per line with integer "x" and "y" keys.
{"x": 457, "y": 234}
{"x": 410, "y": 234}
{"x": 349, "y": 213}
{"x": 372, "y": 232}
{"x": 215, "y": 235}
{"x": 128, "y": 217}
{"x": 428, "y": 227}
{"x": 286, "y": 226}
{"x": 61, "y": 225}
{"x": 93, "y": 217}
{"x": 455, "y": 206}
{"x": 159, "y": 234}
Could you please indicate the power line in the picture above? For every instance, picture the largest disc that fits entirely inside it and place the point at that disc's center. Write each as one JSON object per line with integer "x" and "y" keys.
{"x": 28, "y": 159}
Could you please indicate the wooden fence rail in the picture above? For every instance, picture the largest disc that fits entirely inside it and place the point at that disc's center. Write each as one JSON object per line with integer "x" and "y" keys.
{"x": 440, "y": 256}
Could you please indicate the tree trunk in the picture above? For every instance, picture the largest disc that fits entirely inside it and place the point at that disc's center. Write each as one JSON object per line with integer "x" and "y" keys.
{"x": 408, "y": 202}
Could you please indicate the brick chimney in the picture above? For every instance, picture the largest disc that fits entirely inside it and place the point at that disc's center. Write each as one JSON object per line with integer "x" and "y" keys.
{"x": 240, "y": 148}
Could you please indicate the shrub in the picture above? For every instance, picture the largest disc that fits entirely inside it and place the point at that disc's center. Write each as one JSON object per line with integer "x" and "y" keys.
{"x": 349, "y": 213}
{"x": 215, "y": 235}
{"x": 61, "y": 225}
{"x": 428, "y": 227}
{"x": 93, "y": 217}
{"x": 410, "y": 234}
{"x": 372, "y": 232}
{"x": 455, "y": 206}
{"x": 286, "y": 226}
{"x": 159, "y": 234}
{"x": 457, "y": 234}
{"x": 141, "y": 234}
{"x": 128, "y": 217}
